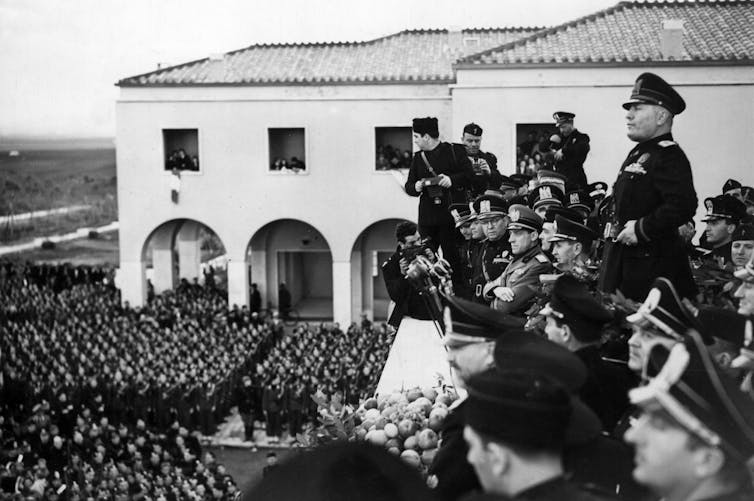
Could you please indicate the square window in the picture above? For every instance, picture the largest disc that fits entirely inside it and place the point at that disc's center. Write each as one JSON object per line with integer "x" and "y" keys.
{"x": 534, "y": 148}
{"x": 287, "y": 149}
{"x": 393, "y": 148}
{"x": 181, "y": 149}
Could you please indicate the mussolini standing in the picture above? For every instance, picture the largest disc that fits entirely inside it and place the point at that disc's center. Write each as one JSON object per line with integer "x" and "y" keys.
{"x": 654, "y": 195}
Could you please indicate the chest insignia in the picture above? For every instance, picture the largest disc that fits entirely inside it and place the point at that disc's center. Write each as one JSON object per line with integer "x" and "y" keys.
{"x": 635, "y": 168}
{"x": 643, "y": 158}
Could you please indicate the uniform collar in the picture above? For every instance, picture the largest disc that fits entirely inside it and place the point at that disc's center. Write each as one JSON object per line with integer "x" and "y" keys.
{"x": 526, "y": 256}
{"x": 663, "y": 137}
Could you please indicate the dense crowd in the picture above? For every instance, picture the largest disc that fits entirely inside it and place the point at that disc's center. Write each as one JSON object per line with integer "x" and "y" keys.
{"x": 180, "y": 160}
{"x": 536, "y": 152}
{"x": 391, "y": 157}
{"x": 282, "y": 164}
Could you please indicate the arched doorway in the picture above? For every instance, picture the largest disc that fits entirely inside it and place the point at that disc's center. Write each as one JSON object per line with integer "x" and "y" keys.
{"x": 293, "y": 253}
{"x": 371, "y": 249}
{"x": 184, "y": 249}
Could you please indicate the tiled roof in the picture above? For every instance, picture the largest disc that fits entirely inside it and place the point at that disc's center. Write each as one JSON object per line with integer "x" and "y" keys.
{"x": 415, "y": 56}
{"x": 630, "y": 32}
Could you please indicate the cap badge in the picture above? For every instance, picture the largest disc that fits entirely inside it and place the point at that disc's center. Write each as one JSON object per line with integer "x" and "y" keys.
{"x": 455, "y": 214}
{"x": 484, "y": 206}
{"x": 708, "y": 205}
{"x": 575, "y": 198}
{"x": 545, "y": 192}
{"x": 515, "y": 215}
{"x": 637, "y": 86}
{"x": 643, "y": 158}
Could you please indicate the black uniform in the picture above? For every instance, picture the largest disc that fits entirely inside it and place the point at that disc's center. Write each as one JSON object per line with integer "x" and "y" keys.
{"x": 655, "y": 188}
{"x": 606, "y": 387}
{"x": 556, "y": 489}
{"x": 575, "y": 149}
{"x": 480, "y": 181}
{"x": 406, "y": 298}
{"x": 455, "y": 476}
{"x": 495, "y": 257}
{"x": 435, "y": 220}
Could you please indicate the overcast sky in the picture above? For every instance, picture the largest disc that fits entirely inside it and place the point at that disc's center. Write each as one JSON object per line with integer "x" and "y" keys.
{"x": 59, "y": 60}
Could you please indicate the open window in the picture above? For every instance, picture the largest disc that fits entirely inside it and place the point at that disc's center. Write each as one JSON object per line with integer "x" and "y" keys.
{"x": 181, "y": 149}
{"x": 393, "y": 148}
{"x": 534, "y": 147}
{"x": 287, "y": 149}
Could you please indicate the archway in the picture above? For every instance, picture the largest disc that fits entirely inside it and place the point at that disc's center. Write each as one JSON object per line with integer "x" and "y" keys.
{"x": 294, "y": 253}
{"x": 374, "y": 245}
{"x": 184, "y": 249}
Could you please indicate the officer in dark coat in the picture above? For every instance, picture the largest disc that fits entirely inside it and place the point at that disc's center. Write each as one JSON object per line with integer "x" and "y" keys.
{"x": 463, "y": 219}
{"x": 492, "y": 214}
{"x": 654, "y": 195}
{"x": 569, "y": 159}
{"x": 696, "y": 423}
{"x": 440, "y": 174}
{"x": 724, "y": 213}
{"x": 483, "y": 163}
{"x": 575, "y": 320}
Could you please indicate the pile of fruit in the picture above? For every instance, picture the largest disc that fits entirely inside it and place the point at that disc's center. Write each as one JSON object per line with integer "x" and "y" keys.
{"x": 406, "y": 423}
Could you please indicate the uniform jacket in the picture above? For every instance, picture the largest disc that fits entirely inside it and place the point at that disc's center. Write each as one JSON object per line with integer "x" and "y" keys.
{"x": 605, "y": 390}
{"x": 455, "y": 476}
{"x": 575, "y": 149}
{"x": 495, "y": 258}
{"x": 481, "y": 182}
{"x": 654, "y": 188}
{"x": 556, "y": 489}
{"x": 521, "y": 275}
{"x": 451, "y": 160}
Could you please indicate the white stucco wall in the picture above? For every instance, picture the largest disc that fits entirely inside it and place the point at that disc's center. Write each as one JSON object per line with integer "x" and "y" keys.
{"x": 715, "y": 131}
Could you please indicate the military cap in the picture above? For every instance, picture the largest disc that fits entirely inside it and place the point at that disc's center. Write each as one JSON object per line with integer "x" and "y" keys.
{"x": 521, "y": 349}
{"x": 724, "y": 324}
{"x": 493, "y": 192}
{"x": 579, "y": 199}
{"x": 509, "y": 183}
{"x": 519, "y": 200}
{"x": 490, "y": 205}
{"x": 551, "y": 177}
{"x": 546, "y": 194}
{"x": 664, "y": 310}
{"x": 427, "y": 125}
{"x": 554, "y": 211}
{"x": 597, "y": 189}
{"x": 521, "y": 407}
{"x": 562, "y": 117}
{"x": 687, "y": 384}
{"x": 461, "y": 213}
{"x": 568, "y": 230}
{"x": 651, "y": 89}
{"x": 724, "y": 207}
{"x": 731, "y": 184}
{"x": 744, "y": 231}
{"x": 747, "y": 194}
{"x": 473, "y": 129}
{"x": 572, "y": 304}
{"x": 472, "y": 211}
{"x": 523, "y": 218}
{"x": 470, "y": 322}
{"x": 523, "y": 179}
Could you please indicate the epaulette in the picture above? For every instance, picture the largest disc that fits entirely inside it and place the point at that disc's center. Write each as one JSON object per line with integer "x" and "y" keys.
{"x": 541, "y": 258}
{"x": 667, "y": 143}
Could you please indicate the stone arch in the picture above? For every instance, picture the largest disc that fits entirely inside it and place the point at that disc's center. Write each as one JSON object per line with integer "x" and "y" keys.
{"x": 372, "y": 247}
{"x": 174, "y": 250}
{"x": 293, "y": 252}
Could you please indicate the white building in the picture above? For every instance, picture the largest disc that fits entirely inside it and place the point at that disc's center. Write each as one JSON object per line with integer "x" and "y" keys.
{"x": 325, "y": 229}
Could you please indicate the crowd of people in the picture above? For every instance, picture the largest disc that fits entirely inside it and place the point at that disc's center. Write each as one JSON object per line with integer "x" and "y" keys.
{"x": 536, "y": 152}
{"x": 284, "y": 165}
{"x": 180, "y": 160}
{"x": 391, "y": 157}
{"x": 634, "y": 321}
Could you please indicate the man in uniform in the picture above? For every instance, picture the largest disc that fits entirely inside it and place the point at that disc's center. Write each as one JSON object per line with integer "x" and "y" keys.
{"x": 548, "y": 226}
{"x": 514, "y": 290}
{"x": 439, "y": 175}
{"x": 544, "y": 196}
{"x": 572, "y": 246}
{"x": 492, "y": 213}
{"x": 733, "y": 188}
{"x": 569, "y": 159}
{"x": 694, "y": 438}
{"x": 654, "y": 195}
{"x": 579, "y": 200}
{"x": 509, "y": 187}
{"x": 575, "y": 320}
{"x": 483, "y": 163}
{"x": 463, "y": 219}
{"x": 517, "y": 422}
{"x": 724, "y": 213}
